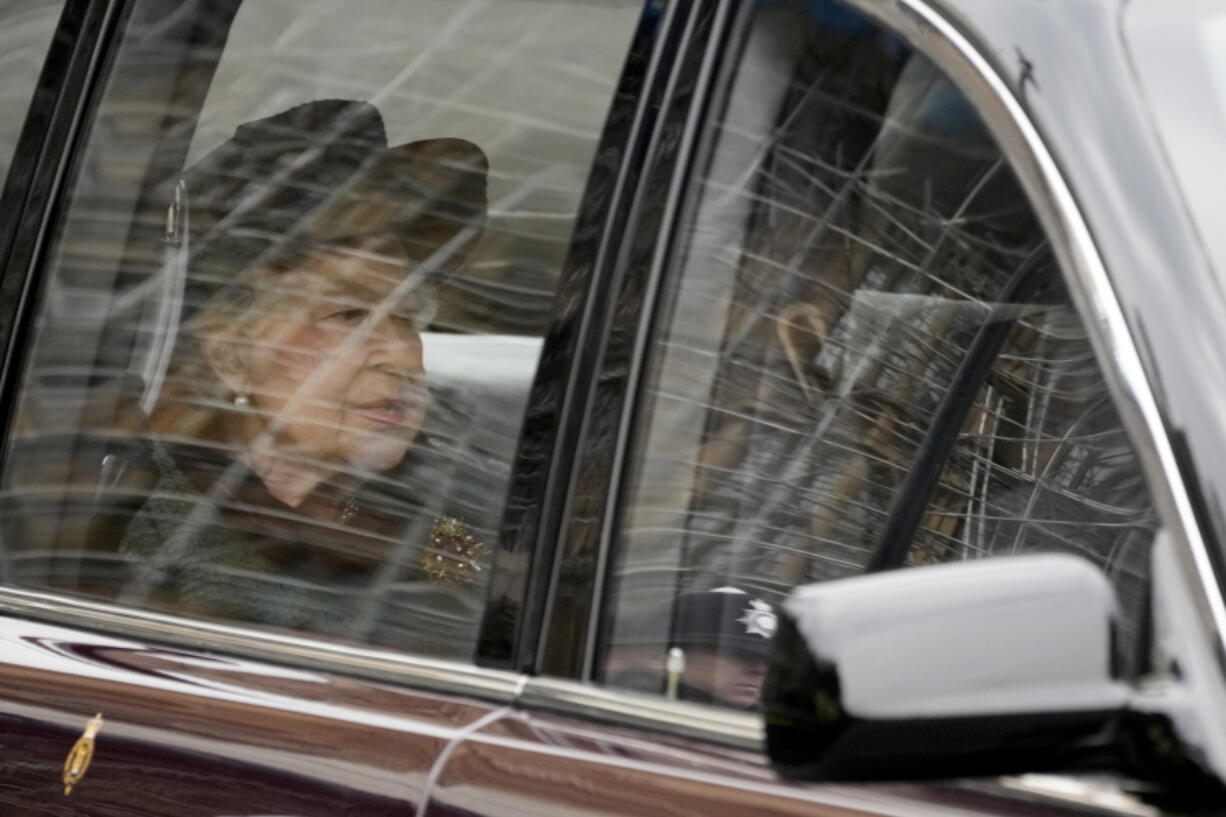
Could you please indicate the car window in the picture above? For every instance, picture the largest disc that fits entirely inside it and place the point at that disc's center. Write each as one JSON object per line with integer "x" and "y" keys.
{"x": 26, "y": 27}
{"x": 867, "y": 359}
{"x": 295, "y": 306}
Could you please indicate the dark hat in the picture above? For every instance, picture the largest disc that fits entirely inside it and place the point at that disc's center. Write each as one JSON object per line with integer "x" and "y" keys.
{"x": 323, "y": 173}
{"x": 726, "y": 619}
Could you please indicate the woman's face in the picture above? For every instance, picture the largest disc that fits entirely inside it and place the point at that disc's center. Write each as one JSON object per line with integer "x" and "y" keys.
{"x": 332, "y": 358}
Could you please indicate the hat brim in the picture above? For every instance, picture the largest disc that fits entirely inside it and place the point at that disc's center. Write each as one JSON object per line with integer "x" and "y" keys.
{"x": 427, "y": 193}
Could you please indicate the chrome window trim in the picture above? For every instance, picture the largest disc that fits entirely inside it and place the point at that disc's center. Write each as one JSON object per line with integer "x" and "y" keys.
{"x": 434, "y": 675}
{"x": 927, "y": 28}
{"x": 739, "y": 730}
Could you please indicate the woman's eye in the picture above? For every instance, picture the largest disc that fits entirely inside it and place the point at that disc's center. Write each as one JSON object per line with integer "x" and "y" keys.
{"x": 409, "y": 321}
{"x": 348, "y": 315}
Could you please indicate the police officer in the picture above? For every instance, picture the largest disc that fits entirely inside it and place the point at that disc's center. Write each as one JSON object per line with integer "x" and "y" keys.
{"x": 715, "y": 650}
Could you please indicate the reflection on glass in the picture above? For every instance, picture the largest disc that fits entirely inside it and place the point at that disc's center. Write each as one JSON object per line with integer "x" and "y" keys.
{"x": 865, "y": 295}
{"x": 295, "y": 308}
{"x": 296, "y": 379}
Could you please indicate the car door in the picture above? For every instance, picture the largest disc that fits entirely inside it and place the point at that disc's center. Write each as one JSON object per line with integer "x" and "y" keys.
{"x": 121, "y": 701}
{"x": 843, "y": 343}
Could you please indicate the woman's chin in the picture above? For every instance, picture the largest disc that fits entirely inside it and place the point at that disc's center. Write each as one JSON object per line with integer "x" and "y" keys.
{"x": 379, "y": 452}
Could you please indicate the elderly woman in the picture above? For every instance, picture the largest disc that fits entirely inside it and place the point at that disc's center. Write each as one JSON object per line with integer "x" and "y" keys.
{"x": 294, "y": 486}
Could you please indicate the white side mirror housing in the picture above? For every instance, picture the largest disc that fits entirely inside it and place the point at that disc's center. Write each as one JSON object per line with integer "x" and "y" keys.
{"x": 999, "y": 666}
{"x": 1013, "y": 635}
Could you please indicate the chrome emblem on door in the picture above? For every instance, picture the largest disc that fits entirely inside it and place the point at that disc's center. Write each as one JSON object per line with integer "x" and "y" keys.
{"x": 77, "y": 762}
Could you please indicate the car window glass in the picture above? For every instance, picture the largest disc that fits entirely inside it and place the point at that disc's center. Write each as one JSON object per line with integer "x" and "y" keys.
{"x": 26, "y": 27}
{"x": 867, "y": 343}
{"x": 295, "y": 307}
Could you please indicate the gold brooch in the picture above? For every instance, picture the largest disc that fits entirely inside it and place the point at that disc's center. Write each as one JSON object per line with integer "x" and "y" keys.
{"x": 455, "y": 554}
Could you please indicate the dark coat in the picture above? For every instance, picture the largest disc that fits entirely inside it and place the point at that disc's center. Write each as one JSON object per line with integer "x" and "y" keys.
{"x": 377, "y": 565}
{"x": 104, "y": 509}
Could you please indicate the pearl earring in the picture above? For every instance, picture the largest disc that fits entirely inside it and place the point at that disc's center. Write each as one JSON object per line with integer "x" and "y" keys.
{"x": 241, "y": 401}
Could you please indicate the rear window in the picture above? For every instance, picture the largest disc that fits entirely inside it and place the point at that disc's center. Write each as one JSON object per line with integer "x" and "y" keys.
{"x": 294, "y": 308}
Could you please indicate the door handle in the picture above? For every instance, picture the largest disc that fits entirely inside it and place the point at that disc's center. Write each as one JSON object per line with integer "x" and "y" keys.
{"x": 82, "y": 752}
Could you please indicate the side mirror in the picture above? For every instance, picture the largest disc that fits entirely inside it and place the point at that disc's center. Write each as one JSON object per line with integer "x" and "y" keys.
{"x": 989, "y": 667}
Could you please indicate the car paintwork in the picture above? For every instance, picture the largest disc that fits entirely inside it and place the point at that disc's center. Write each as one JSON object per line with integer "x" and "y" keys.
{"x": 527, "y": 764}
{"x": 186, "y": 732}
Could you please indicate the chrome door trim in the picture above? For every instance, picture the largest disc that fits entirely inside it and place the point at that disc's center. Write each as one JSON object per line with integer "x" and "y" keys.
{"x": 738, "y": 730}
{"x": 928, "y": 29}
{"x": 371, "y": 663}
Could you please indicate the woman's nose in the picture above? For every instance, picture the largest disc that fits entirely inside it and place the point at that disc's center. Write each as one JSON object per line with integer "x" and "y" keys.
{"x": 396, "y": 341}
{"x": 754, "y": 670}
